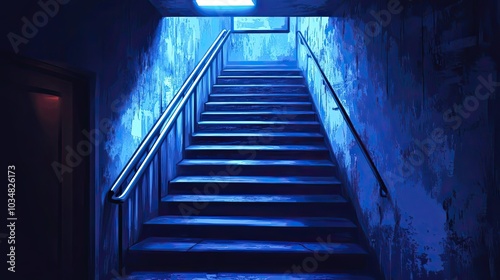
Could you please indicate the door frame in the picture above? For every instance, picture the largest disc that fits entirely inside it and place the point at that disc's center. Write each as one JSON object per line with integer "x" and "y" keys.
{"x": 76, "y": 90}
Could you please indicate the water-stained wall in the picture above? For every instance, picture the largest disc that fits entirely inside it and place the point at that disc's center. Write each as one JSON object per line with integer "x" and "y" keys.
{"x": 419, "y": 83}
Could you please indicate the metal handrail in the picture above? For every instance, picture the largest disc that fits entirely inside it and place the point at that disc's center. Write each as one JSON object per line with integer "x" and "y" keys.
{"x": 383, "y": 188}
{"x": 163, "y": 125}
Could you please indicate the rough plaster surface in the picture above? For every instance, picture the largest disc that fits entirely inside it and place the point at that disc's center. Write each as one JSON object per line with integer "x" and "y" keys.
{"x": 399, "y": 88}
{"x": 158, "y": 73}
{"x": 178, "y": 45}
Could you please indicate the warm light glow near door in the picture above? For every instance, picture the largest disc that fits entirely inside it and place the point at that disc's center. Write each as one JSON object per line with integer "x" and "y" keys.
{"x": 225, "y": 3}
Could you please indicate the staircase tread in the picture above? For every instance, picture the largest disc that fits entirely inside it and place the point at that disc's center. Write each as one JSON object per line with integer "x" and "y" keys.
{"x": 260, "y": 122}
{"x": 294, "y": 94}
{"x": 261, "y": 69}
{"x": 257, "y": 134}
{"x": 259, "y": 147}
{"x": 258, "y": 112}
{"x": 147, "y": 275}
{"x": 260, "y": 85}
{"x": 260, "y": 102}
{"x": 260, "y": 65}
{"x": 255, "y": 198}
{"x": 270, "y": 162}
{"x": 256, "y": 179}
{"x": 253, "y": 221}
{"x": 261, "y": 77}
{"x": 168, "y": 244}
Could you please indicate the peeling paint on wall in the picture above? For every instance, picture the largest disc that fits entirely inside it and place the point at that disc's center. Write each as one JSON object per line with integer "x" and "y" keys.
{"x": 179, "y": 44}
{"x": 157, "y": 74}
{"x": 440, "y": 178}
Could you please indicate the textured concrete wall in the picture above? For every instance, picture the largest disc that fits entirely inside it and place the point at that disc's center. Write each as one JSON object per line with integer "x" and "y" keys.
{"x": 417, "y": 86}
{"x": 178, "y": 44}
{"x": 140, "y": 61}
{"x": 157, "y": 75}
{"x": 263, "y": 46}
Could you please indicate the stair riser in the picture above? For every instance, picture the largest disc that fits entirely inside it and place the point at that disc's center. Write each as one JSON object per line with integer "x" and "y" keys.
{"x": 258, "y": 107}
{"x": 294, "y": 234}
{"x": 234, "y": 262}
{"x": 259, "y": 89}
{"x": 260, "y": 81}
{"x": 255, "y": 170}
{"x": 259, "y": 127}
{"x": 261, "y": 73}
{"x": 253, "y": 188}
{"x": 258, "y": 117}
{"x": 252, "y": 98}
{"x": 256, "y": 154}
{"x": 252, "y": 209}
{"x": 245, "y": 140}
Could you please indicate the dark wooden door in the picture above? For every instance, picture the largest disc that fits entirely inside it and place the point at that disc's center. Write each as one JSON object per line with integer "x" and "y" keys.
{"x": 40, "y": 129}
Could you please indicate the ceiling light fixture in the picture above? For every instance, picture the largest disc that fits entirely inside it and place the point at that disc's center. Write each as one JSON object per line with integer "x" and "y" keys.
{"x": 225, "y": 3}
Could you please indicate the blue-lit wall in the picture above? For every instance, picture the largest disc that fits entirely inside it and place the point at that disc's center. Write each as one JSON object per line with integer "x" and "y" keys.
{"x": 178, "y": 44}
{"x": 399, "y": 86}
{"x": 263, "y": 46}
{"x": 158, "y": 73}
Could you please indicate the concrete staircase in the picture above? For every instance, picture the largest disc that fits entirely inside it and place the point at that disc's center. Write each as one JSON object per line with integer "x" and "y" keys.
{"x": 256, "y": 195}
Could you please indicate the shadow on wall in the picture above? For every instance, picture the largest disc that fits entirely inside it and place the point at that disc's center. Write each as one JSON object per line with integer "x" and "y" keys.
{"x": 419, "y": 83}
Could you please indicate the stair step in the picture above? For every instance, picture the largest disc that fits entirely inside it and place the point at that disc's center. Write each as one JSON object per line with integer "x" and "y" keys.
{"x": 300, "y": 222}
{"x": 257, "y": 152}
{"x": 260, "y": 80}
{"x": 259, "y": 89}
{"x": 258, "y": 116}
{"x": 258, "y": 126}
{"x": 251, "y": 228}
{"x": 261, "y": 72}
{"x": 149, "y": 275}
{"x": 256, "y": 198}
{"x": 261, "y": 65}
{"x": 161, "y": 253}
{"x": 258, "y": 138}
{"x": 235, "y": 167}
{"x": 259, "y": 106}
{"x": 259, "y": 97}
{"x": 256, "y": 205}
{"x": 254, "y": 185}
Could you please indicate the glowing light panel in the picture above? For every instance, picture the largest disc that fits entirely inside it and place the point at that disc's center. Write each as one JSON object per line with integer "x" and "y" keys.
{"x": 225, "y": 3}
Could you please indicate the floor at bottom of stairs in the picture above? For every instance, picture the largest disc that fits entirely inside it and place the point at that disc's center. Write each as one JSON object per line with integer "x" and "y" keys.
{"x": 238, "y": 276}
